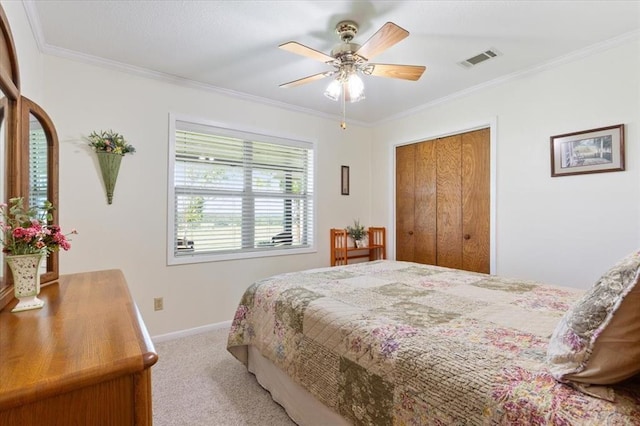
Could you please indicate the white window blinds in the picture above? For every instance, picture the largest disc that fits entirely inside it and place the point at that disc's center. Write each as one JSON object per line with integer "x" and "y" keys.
{"x": 238, "y": 192}
{"x": 38, "y": 165}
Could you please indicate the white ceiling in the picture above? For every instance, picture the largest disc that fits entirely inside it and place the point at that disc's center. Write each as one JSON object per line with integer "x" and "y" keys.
{"x": 232, "y": 46}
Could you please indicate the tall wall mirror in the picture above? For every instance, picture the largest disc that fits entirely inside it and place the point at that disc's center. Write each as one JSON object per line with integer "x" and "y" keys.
{"x": 9, "y": 95}
{"x": 28, "y": 152}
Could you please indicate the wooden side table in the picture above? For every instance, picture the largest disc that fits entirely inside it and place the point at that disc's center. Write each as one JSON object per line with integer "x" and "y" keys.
{"x": 341, "y": 252}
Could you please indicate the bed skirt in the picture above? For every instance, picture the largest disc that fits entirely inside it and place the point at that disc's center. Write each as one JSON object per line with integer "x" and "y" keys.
{"x": 299, "y": 404}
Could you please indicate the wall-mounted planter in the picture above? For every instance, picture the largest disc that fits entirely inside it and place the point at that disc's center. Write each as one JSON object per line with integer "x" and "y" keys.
{"x": 109, "y": 166}
{"x": 110, "y": 148}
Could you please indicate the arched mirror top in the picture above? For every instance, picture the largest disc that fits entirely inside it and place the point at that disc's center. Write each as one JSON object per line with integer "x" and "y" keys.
{"x": 9, "y": 75}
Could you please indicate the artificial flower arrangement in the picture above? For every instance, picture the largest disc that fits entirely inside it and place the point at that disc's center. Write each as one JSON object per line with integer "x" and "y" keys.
{"x": 110, "y": 141}
{"x": 27, "y": 231}
{"x": 357, "y": 231}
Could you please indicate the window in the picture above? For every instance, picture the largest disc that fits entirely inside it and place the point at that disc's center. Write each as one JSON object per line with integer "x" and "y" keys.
{"x": 38, "y": 166}
{"x": 236, "y": 194}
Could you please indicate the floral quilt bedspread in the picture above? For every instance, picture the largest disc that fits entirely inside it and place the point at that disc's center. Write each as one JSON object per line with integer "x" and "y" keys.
{"x": 399, "y": 343}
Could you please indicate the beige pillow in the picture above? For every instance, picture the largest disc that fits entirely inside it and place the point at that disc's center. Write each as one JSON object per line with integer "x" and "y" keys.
{"x": 597, "y": 342}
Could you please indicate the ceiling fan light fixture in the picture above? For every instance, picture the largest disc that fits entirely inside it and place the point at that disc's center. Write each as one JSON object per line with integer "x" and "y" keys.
{"x": 354, "y": 88}
{"x": 334, "y": 90}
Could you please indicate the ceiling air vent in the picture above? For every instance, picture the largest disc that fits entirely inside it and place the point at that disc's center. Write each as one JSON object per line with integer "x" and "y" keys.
{"x": 484, "y": 56}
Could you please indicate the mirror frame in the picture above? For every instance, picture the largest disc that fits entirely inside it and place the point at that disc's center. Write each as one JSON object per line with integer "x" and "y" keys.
{"x": 10, "y": 87}
{"x": 27, "y": 108}
{"x": 16, "y": 111}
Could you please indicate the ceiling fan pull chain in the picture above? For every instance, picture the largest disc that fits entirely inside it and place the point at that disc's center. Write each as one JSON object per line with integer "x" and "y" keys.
{"x": 344, "y": 107}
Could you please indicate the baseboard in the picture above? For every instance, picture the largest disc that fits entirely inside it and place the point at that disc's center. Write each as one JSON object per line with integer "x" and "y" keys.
{"x": 191, "y": 331}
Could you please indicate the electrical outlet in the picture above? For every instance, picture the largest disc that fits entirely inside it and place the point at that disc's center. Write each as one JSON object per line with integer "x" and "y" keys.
{"x": 158, "y": 304}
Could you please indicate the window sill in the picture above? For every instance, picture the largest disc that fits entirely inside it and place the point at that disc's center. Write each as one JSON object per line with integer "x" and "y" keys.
{"x": 205, "y": 258}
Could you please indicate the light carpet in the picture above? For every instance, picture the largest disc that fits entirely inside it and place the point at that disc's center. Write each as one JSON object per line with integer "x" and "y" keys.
{"x": 196, "y": 382}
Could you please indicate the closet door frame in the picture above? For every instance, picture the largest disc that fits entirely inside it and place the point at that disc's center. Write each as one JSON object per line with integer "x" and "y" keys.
{"x": 493, "y": 129}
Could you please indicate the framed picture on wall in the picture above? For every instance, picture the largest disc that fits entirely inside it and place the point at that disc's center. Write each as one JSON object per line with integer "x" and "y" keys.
{"x": 344, "y": 180}
{"x": 589, "y": 151}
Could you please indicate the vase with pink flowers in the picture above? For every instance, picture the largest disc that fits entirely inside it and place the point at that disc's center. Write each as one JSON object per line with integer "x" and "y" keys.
{"x": 28, "y": 237}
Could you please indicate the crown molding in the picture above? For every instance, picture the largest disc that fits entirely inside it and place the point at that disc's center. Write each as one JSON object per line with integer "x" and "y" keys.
{"x": 45, "y": 48}
{"x": 34, "y": 22}
{"x": 181, "y": 81}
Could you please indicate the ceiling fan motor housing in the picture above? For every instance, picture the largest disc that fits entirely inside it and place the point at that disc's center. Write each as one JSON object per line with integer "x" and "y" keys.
{"x": 347, "y": 30}
{"x": 344, "y": 49}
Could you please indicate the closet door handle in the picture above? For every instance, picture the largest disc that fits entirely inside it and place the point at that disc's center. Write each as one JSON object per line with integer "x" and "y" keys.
{"x": 467, "y": 237}
{"x": 410, "y": 232}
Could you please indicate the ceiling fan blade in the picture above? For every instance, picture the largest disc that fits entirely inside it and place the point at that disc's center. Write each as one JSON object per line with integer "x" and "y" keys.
{"x": 405, "y": 72}
{"x": 309, "y": 79}
{"x": 388, "y": 35}
{"x": 301, "y": 49}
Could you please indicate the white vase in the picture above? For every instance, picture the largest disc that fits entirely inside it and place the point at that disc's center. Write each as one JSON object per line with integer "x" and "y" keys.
{"x": 26, "y": 280}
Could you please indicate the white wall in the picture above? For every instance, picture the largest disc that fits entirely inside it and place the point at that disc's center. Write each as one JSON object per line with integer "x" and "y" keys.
{"x": 130, "y": 234}
{"x": 564, "y": 230}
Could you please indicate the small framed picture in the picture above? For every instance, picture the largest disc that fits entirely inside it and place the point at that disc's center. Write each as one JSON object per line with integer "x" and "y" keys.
{"x": 344, "y": 180}
{"x": 589, "y": 151}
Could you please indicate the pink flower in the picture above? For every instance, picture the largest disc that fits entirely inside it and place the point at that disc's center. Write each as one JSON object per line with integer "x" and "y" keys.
{"x": 26, "y": 231}
{"x": 61, "y": 240}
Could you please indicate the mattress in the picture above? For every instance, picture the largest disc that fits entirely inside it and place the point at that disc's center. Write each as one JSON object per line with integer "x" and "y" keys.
{"x": 391, "y": 342}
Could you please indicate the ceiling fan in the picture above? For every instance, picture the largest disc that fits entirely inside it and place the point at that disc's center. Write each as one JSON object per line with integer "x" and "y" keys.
{"x": 351, "y": 59}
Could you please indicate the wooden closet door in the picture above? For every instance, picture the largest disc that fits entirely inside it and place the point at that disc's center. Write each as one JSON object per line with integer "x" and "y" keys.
{"x": 449, "y": 201}
{"x": 416, "y": 203}
{"x": 476, "y": 205}
{"x": 405, "y": 202}
{"x": 425, "y": 209}
{"x": 443, "y": 201}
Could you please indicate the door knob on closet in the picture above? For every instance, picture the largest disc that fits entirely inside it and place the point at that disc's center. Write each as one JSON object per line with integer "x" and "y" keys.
{"x": 410, "y": 232}
{"x": 467, "y": 237}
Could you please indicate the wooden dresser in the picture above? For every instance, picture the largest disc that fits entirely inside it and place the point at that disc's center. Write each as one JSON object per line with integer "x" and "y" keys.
{"x": 83, "y": 359}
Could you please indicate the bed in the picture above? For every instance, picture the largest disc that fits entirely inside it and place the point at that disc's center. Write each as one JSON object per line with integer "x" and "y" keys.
{"x": 400, "y": 343}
